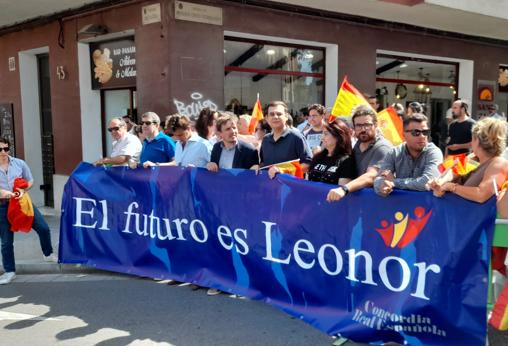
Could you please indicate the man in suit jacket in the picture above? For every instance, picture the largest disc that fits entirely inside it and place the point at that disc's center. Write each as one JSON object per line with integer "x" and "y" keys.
{"x": 231, "y": 152}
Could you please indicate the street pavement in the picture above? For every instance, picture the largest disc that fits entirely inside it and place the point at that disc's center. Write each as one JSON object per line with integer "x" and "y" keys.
{"x": 93, "y": 309}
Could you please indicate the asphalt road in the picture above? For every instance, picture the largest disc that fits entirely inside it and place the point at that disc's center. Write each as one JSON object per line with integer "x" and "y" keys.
{"x": 118, "y": 310}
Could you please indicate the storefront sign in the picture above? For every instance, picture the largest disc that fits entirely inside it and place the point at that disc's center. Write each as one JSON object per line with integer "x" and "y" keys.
{"x": 7, "y": 125}
{"x": 485, "y": 97}
{"x": 151, "y": 14}
{"x": 198, "y": 13}
{"x": 113, "y": 64}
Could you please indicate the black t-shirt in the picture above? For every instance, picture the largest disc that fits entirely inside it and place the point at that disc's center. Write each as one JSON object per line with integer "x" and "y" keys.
{"x": 329, "y": 169}
{"x": 460, "y": 133}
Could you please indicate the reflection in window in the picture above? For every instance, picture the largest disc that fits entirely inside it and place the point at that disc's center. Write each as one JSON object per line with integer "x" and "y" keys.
{"x": 293, "y": 74}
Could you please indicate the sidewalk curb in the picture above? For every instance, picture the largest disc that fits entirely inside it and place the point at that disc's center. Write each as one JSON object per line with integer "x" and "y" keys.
{"x": 28, "y": 267}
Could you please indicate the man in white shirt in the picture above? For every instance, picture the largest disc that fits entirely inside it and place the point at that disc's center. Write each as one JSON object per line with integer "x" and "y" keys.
{"x": 125, "y": 145}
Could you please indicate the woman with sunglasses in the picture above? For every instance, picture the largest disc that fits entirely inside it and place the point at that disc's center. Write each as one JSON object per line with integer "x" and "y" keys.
{"x": 334, "y": 164}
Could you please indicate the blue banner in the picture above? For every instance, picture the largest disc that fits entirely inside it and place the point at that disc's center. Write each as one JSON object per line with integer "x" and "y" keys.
{"x": 407, "y": 268}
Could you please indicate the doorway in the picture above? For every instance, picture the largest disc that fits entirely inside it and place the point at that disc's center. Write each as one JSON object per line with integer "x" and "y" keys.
{"x": 48, "y": 157}
{"x": 116, "y": 103}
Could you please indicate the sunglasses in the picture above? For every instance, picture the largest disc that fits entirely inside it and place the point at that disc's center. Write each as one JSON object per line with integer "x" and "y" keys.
{"x": 116, "y": 128}
{"x": 148, "y": 123}
{"x": 417, "y": 133}
{"x": 6, "y": 149}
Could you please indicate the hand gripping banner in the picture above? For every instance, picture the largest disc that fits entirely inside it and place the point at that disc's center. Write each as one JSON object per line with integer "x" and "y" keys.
{"x": 407, "y": 268}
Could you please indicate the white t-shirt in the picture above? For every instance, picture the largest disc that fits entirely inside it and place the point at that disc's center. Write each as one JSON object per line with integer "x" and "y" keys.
{"x": 129, "y": 145}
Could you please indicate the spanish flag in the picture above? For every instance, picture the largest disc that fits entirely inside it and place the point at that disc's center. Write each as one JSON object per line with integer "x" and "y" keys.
{"x": 21, "y": 212}
{"x": 460, "y": 164}
{"x": 499, "y": 317}
{"x": 292, "y": 167}
{"x": 391, "y": 125}
{"x": 257, "y": 116}
{"x": 348, "y": 98}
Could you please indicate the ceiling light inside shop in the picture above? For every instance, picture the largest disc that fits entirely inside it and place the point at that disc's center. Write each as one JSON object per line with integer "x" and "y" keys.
{"x": 270, "y": 52}
{"x": 403, "y": 65}
{"x": 308, "y": 56}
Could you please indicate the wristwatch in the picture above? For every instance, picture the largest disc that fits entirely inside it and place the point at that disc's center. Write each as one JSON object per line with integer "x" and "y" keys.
{"x": 345, "y": 189}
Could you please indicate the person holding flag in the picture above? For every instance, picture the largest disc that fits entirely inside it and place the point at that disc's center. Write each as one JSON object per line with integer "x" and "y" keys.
{"x": 283, "y": 144}
{"x": 10, "y": 169}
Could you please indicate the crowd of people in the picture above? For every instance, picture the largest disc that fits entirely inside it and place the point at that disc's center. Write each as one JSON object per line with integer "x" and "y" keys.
{"x": 348, "y": 153}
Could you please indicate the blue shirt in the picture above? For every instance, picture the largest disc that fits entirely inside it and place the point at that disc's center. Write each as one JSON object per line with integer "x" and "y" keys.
{"x": 17, "y": 169}
{"x": 290, "y": 146}
{"x": 160, "y": 149}
{"x": 196, "y": 152}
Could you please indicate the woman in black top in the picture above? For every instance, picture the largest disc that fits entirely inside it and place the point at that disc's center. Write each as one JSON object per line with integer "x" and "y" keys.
{"x": 335, "y": 164}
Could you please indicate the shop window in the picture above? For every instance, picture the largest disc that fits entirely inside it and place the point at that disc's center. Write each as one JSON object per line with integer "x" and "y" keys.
{"x": 402, "y": 79}
{"x": 293, "y": 74}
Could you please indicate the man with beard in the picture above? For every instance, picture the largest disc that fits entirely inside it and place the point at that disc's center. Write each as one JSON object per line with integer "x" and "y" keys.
{"x": 412, "y": 164}
{"x": 459, "y": 131}
{"x": 368, "y": 151}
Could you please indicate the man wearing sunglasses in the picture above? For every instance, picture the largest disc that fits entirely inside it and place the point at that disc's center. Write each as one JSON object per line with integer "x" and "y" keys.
{"x": 125, "y": 146}
{"x": 412, "y": 164}
{"x": 10, "y": 169}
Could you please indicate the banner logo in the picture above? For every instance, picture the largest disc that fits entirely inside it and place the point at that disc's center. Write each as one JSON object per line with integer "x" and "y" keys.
{"x": 405, "y": 230}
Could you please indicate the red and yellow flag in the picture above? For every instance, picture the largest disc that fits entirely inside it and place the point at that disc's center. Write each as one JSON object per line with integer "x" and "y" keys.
{"x": 391, "y": 125}
{"x": 460, "y": 164}
{"x": 499, "y": 317}
{"x": 257, "y": 116}
{"x": 348, "y": 98}
{"x": 21, "y": 212}
{"x": 293, "y": 168}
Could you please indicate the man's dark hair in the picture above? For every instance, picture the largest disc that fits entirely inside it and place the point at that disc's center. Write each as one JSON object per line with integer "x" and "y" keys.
{"x": 414, "y": 118}
{"x": 364, "y": 110}
{"x": 5, "y": 140}
{"x": 178, "y": 122}
{"x": 318, "y": 108}
{"x": 205, "y": 119}
{"x": 279, "y": 103}
{"x": 416, "y": 107}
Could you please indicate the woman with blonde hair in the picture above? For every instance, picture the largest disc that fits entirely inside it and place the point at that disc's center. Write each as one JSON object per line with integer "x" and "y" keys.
{"x": 488, "y": 143}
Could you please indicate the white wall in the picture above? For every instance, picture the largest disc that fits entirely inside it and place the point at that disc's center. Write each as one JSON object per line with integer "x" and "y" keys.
{"x": 30, "y": 107}
{"x": 90, "y": 108}
{"x": 493, "y": 8}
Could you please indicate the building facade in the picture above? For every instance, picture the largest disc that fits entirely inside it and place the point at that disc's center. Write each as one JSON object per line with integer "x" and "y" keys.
{"x": 63, "y": 76}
